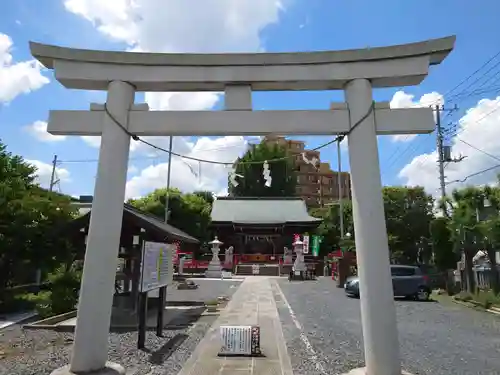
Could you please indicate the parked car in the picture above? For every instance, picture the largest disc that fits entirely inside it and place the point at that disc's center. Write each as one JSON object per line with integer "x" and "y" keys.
{"x": 407, "y": 281}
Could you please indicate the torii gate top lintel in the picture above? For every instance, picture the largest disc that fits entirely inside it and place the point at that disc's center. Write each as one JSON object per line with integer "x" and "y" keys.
{"x": 391, "y": 66}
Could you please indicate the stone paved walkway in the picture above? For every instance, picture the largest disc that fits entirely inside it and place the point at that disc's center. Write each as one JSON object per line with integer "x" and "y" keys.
{"x": 253, "y": 303}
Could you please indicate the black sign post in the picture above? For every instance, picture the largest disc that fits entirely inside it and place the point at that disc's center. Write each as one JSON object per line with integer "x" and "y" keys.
{"x": 142, "y": 320}
{"x": 162, "y": 296}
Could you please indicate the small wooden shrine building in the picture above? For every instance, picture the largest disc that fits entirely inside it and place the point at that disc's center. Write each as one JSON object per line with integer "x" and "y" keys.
{"x": 137, "y": 225}
{"x": 259, "y": 229}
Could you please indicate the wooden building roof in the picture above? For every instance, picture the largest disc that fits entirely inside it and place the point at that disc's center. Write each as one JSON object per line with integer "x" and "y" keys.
{"x": 145, "y": 220}
{"x": 261, "y": 211}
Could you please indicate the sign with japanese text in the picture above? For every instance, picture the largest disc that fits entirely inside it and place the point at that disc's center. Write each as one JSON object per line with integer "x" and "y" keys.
{"x": 157, "y": 268}
{"x": 306, "y": 243}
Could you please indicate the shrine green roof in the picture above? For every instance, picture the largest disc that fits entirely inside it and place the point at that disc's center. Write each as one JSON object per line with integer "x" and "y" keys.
{"x": 261, "y": 211}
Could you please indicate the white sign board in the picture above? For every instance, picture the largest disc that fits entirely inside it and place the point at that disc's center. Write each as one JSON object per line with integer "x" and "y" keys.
{"x": 306, "y": 244}
{"x": 255, "y": 269}
{"x": 157, "y": 267}
{"x": 236, "y": 340}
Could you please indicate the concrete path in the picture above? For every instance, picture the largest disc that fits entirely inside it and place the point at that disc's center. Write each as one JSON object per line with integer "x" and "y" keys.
{"x": 252, "y": 304}
{"x": 8, "y": 320}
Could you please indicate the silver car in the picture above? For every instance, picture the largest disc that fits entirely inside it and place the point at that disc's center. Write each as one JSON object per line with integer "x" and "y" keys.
{"x": 407, "y": 281}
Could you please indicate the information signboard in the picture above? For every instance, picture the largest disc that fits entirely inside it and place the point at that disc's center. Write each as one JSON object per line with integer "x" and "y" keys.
{"x": 157, "y": 267}
{"x": 240, "y": 341}
{"x": 306, "y": 243}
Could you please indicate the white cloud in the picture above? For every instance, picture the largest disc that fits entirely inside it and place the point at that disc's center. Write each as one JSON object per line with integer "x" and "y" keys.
{"x": 39, "y": 130}
{"x": 44, "y": 173}
{"x": 403, "y": 100}
{"x": 181, "y": 26}
{"x": 132, "y": 169}
{"x": 17, "y": 78}
{"x": 188, "y": 175}
{"x": 480, "y": 127}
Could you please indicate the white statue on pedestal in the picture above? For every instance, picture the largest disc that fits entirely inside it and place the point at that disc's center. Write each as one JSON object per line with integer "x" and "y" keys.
{"x": 228, "y": 260}
{"x": 299, "y": 265}
{"x": 181, "y": 265}
{"x": 214, "y": 267}
{"x": 287, "y": 256}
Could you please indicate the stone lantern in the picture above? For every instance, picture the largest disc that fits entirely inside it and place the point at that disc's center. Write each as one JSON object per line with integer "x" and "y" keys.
{"x": 214, "y": 268}
{"x": 299, "y": 265}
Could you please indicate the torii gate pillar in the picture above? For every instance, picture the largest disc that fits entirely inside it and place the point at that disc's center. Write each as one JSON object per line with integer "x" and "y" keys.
{"x": 380, "y": 335}
{"x": 104, "y": 234}
{"x": 355, "y": 71}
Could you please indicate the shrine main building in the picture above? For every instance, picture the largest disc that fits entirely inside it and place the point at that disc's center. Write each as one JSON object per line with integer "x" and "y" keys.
{"x": 259, "y": 229}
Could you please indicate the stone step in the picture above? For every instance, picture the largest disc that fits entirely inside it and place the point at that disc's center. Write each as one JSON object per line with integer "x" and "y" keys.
{"x": 264, "y": 270}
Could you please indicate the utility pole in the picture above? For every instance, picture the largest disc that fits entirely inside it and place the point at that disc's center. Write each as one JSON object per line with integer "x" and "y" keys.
{"x": 339, "y": 184}
{"x": 52, "y": 183}
{"x": 439, "y": 139}
{"x": 169, "y": 169}
{"x": 443, "y": 152}
{"x": 53, "y": 180}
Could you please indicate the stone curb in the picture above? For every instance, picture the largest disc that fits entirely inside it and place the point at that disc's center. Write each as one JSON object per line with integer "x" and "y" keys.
{"x": 494, "y": 310}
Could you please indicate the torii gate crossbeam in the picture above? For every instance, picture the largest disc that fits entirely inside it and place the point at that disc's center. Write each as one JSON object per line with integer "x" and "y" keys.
{"x": 354, "y": 71}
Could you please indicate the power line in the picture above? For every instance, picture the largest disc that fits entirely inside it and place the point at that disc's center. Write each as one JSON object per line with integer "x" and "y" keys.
{"x": 137, "y": 138}
{"x": 474, "y": 174}
{"x": 473, "y": 74}
{"x": 478, "y": 149}
{"x": 145, "y": 157}
{"x": 477, "y": 121}
{"x": 462, "y": 94}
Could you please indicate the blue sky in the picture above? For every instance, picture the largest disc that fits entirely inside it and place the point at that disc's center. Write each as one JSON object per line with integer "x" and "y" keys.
{"x": 301, "y": 26}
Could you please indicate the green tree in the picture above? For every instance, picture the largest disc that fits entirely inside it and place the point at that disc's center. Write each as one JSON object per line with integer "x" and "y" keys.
{"x": 206, "y": 195}
{"x": 464, "y": 227}
{"x": 330, "y": 227}
{"x": 491, "y": 231}
{"x": 445, "y": 257}
{"x": 30, "y": 219}
{"x": 408, "y": 212}
{"x": 188, "y": 212}
{"x": 252, "y": 184}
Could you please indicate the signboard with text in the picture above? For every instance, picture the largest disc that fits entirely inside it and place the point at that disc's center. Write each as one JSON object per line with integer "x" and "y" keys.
{"x": 306, "y": 243}
{"x": 316, "y": 242}
{"x": 157, "y": 268}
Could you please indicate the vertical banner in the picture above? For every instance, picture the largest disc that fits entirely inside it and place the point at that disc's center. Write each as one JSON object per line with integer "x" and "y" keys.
{"x": 315, "y": 245}
{"x": 306, "y": 243}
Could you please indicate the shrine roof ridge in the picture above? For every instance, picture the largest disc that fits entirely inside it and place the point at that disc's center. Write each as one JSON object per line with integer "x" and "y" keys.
{"x": 261, "y": 211}
{"x": 436, "y": 49}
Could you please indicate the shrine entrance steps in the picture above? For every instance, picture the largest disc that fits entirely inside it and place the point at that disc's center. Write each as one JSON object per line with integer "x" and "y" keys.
{"x": 263, "y": 269}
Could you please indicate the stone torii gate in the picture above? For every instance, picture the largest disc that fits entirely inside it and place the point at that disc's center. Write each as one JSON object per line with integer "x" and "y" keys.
{"x": 356, "y": 72}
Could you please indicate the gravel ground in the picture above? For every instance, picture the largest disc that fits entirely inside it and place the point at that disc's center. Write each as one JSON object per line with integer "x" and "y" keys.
{"x": 437, "y": 339}
{"x": 39, "y": 352}
{"x": 208, "y": 289}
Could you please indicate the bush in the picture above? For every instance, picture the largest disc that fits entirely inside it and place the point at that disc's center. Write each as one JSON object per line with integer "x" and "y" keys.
{"x": 41, "y": 302}
{"x": 15, "y": 302}
{"x": 464, "y": 296}
{"x": 62, "y": 296}
{"x": 486, "y": 299}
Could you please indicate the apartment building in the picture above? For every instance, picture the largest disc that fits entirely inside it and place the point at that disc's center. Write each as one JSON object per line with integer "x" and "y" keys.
{"x": 316, "y": 184}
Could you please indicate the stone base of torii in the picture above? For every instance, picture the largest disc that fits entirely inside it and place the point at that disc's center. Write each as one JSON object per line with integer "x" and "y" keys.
{"x": 123, "y": 74}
